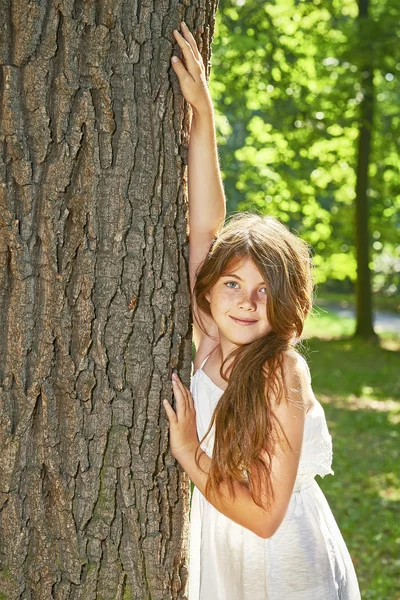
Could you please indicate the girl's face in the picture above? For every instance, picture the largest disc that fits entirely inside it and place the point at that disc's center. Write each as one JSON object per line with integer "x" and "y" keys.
{"x": 238, "y": 303}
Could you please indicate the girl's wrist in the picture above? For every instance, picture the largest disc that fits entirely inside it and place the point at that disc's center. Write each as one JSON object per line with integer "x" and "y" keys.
{"x": 206, "y": 111}
{"x": 197, "y": 474}
{"x": 186, "y": 452}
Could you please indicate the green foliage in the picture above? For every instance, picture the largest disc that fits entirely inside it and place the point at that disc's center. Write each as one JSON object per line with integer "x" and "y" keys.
{"x": 287, "y": 83}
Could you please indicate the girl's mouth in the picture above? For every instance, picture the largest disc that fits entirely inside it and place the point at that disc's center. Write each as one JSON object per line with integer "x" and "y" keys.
{"x": 244, "y": 321}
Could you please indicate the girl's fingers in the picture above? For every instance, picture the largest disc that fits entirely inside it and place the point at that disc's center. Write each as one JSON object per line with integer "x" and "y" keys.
{"x": 190, "y": 400}
{"x": 180, "y": 396}
{"x": 179, "y": 402}
{"x": 171, "y": 414}
{"x": 186, "y": 394}
{"x": 189, "y": 38}
{"x": 181, "y": 72}
{"x": 188, "y": 53}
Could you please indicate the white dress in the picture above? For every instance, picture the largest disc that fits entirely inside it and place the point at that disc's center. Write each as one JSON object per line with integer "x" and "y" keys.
{"x": 306, "y": 558}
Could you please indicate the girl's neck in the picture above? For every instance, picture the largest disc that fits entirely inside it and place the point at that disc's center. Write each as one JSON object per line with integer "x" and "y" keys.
{"x": 219, "y": 355}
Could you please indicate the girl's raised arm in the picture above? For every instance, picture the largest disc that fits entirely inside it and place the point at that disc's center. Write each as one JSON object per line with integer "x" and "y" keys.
{"x": 206, "y": 193}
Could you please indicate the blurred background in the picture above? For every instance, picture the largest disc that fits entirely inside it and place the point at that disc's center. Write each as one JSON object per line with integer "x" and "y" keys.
{"x": 307, "y": 97}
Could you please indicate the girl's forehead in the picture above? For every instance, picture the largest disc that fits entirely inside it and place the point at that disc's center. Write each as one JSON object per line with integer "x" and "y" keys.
{"x": 235, "y": 265}
{"x": 236, "y": 262}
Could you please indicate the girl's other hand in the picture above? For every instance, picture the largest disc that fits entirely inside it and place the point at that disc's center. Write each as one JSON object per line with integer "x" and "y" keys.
{"x": 191, "y": 76}
{"x": 182, "y": 423}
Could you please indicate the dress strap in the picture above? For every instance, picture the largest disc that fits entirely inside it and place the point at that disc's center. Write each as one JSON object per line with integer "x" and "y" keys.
{"x": 204, "y": 361}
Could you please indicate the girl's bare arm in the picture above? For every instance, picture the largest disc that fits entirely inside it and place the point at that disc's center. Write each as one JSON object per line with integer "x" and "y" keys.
{"x": 206, "y": 194}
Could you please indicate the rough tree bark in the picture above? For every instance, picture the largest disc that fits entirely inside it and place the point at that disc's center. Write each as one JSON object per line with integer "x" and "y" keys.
{"x": 94, "y": 305}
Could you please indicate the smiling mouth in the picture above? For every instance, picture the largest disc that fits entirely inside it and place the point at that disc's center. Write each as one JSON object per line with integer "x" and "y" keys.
{"x": 244, "y": 321}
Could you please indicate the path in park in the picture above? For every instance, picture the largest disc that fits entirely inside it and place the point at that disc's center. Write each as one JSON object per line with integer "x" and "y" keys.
{"x": 383, "y": 321}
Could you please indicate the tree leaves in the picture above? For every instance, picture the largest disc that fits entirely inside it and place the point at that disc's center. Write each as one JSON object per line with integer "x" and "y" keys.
{"x": 288, "y": 79}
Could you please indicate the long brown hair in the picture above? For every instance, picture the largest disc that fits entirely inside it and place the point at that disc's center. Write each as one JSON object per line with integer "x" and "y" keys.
{"x": 247, "y": 432}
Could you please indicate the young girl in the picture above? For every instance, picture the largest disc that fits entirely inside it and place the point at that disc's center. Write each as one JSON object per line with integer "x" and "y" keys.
{"x": 261, "y": 528}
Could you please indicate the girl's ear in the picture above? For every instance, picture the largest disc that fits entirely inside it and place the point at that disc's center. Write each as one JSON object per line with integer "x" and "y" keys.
{"x": 207, "y": 296}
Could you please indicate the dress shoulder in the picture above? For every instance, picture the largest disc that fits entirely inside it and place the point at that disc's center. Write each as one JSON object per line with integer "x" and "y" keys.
{"x": 316, "y": 453}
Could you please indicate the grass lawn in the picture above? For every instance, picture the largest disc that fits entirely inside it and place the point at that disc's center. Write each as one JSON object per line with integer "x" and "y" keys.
{"x": 359, "y": 386}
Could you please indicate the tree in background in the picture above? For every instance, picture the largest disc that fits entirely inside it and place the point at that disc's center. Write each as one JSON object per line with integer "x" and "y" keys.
{"x": 288, "y": 85}
{"x": 94, "y": 299}
{"x": 364, "y": 326}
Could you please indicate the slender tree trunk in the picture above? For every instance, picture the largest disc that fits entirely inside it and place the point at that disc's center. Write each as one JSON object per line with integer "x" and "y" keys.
{"x": 94, "y": 304}
{"x": 364, "y": 326}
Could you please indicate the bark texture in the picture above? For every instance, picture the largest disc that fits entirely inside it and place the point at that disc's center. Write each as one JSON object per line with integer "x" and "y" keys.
{"x": 94, "y": 303}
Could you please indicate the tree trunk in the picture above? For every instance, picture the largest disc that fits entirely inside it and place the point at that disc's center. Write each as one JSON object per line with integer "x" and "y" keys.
{"x": 364, "y": 325}
{"x": 94, "y": 302}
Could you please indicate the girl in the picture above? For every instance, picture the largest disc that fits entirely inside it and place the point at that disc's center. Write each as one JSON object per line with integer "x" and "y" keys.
{"x": 260, "y": 527}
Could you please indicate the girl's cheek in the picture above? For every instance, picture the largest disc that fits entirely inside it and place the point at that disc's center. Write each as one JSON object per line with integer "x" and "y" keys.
{"x": 227, "y": 296}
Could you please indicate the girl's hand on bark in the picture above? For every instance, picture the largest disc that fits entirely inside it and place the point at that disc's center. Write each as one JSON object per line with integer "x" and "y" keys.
{"x": 182, "y": 423}
{"x": 191, "y": 76}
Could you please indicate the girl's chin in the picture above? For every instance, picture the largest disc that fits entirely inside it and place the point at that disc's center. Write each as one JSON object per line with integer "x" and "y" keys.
{"x": 240, "y": 340}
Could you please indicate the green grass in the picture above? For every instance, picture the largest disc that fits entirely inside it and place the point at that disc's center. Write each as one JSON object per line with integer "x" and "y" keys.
{"x": 358, "y": 384}
{"x": 325, "y": 324}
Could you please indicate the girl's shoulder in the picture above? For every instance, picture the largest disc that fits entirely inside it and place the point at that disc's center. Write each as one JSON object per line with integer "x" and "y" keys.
{"x": 294, "y": 362}
{"x": 297, "y": 380}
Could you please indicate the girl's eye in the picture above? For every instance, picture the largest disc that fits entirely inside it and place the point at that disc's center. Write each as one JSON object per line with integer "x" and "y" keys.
{"x": 234, "y": 282}
{"x": 227, "y": 283}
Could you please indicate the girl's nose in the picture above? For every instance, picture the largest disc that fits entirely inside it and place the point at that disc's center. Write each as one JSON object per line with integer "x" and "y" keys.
{"x": 247, "y": 301}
